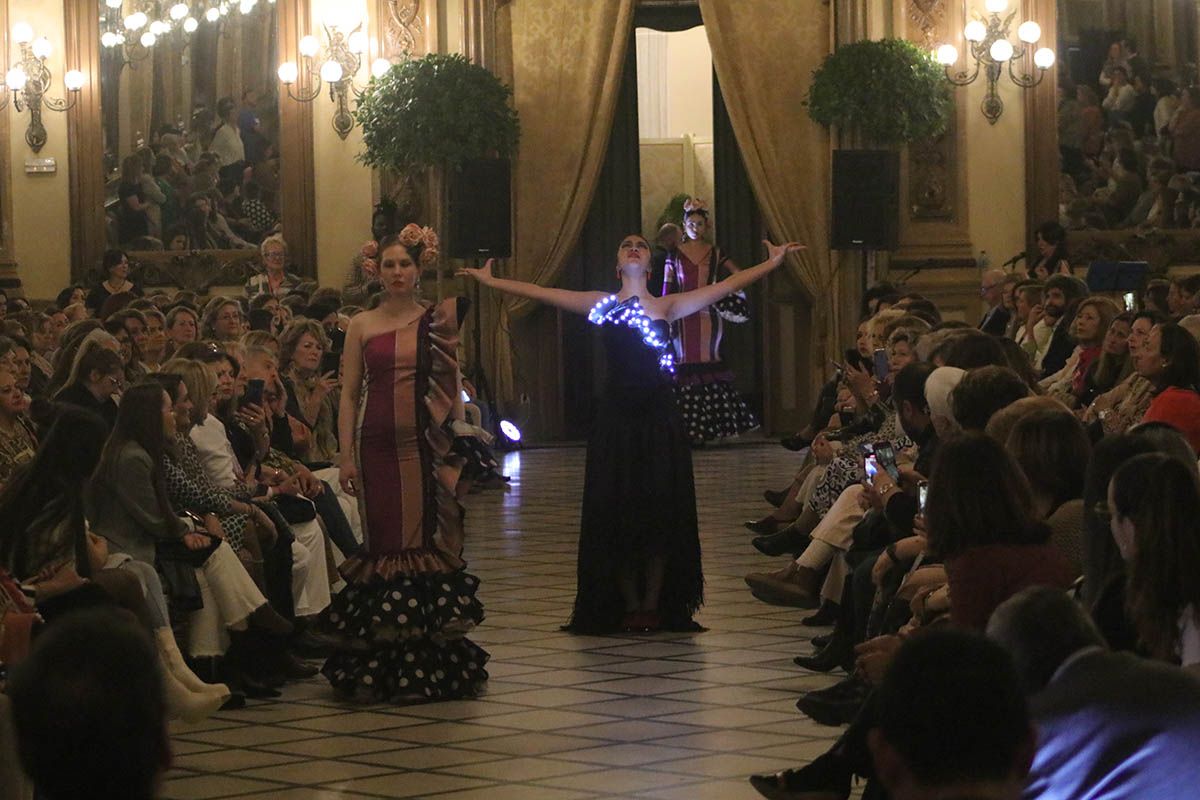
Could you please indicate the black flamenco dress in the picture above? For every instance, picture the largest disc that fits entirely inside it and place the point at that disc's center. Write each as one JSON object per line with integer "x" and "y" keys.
{"x": 409, "y": 602}
{"x": 639, "y": 497}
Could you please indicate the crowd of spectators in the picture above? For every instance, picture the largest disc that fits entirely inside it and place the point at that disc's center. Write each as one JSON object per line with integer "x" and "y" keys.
{"x": 1032, "y": 480}
{"x": 168, "y": 464}
{"x": 213, "y": 186}
{"x": 1130, "y": 148}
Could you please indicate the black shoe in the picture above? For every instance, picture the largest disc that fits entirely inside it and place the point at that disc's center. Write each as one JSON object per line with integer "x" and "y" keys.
{"x": 295, "y": 668}
{"x": 830, "y": 657}
{"x": 775, "y": 498}
{"x": 819, "y": 642}
{"x": 311, "y": 643}
{"x": 795, "y": 443}
{"x": 827, "y": 614}
{"x": 765, "y": 527}
{"x": 828, "y": 775}
{"x": 786, "y": 542}
{"x": 837, "y": 705}
{"x": 236, "y": 701}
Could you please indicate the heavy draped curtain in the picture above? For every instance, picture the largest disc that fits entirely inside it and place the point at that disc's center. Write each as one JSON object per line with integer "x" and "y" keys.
{"x": 764, "y": 54}
{"x": 567, "y": 62}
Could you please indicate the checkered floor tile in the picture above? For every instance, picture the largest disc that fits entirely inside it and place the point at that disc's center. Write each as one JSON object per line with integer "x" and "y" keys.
{"x": 655, "y": 716}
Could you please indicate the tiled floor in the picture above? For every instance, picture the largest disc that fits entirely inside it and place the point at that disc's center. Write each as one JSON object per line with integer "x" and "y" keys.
{"x": 664, "y": 716}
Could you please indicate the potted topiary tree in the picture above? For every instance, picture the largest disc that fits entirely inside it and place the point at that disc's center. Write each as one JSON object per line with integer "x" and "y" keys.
{"x": 884, "y": 94}
{"x": 436, "y": 114}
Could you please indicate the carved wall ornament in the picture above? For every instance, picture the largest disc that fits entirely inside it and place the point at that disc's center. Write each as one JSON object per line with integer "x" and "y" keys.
{"x": 403, "y": 24}
{"x": 931, "y": 176}
{"x": 928, "y": 15}
{"x": 193, "y": 270}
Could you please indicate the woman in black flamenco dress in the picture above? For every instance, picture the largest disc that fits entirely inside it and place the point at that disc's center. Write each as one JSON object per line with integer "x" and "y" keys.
{"x": 639, "y": 547}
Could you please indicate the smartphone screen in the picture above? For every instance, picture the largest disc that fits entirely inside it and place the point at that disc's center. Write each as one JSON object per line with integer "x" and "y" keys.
{"x": 871, "y": 465}
{"x": 254, "y": 393}
{"x": 330, "y": 362}
{"x": 866, "y": 449}
{"x": 886, "y": 457}
{"x": 881, "y": 364}
{"x": 1130, "y": 302}
{"x": 845, "y": 417}
{"x": 922, "y": 495}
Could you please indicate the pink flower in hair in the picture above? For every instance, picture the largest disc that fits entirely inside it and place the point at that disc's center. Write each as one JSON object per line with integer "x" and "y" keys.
{"x": 369, "y": 249}
{"x": 411, "y": 235}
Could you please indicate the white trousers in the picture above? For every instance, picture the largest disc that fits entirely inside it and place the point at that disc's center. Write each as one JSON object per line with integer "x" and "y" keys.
{"x": 310, "y": 578}
{"x": 230, "y": 596}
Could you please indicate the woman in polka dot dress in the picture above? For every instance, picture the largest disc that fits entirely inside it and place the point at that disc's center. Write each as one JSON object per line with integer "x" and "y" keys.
{"x": 712, "y": 408}
{"x": 409, "y": 601}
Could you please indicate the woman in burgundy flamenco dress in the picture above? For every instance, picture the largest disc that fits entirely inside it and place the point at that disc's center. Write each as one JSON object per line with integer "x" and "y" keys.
{"x": 409, "y": 602}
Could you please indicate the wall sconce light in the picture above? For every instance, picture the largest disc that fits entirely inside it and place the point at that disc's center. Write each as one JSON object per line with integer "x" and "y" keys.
{"x": 29, "y": 80}
{"x": 335, "y": 63}
{"x": 990, "y": 49}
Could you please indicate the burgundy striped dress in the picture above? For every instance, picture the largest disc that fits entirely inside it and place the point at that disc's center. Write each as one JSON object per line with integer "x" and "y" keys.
{"x": 409, "y": 601}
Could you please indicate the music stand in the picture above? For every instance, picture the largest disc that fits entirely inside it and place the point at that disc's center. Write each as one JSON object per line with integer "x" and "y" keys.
{"x": 1117, "y": 276}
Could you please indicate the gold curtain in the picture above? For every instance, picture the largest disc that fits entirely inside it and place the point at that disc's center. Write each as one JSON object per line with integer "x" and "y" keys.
{"x": 764, "y": 54}
{"x": 567, "y": 59}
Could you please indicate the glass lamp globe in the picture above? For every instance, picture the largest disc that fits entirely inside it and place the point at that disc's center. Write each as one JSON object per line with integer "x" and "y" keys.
{"x": 108, "y": 39}
{"x": 947, "y": 55}
{"x": 309, "y": 46}
{"x": 179, "y": 11}
{"x": 73, "y": 80}
{"x": 22, "y": 33}
{"x": 41, "y": 47}
{"x": 975, "y": 31}
{"x": 1043, "y": 58}
{"x": 996, "y": 6}
{"x": 1029, "y": 32}
{"x": 212, "y": 15}
{"x": 158, "y": 27}
{"x": 15, "y": 78}
{"x": 148, "y": 39}
{"x": 114, "y": 3}
{"x": 331, "y": 72}
{"x": 380, "y": 67}
{"x": 357, "y": 42}
{"x": 1001, "y": 50}
{"x": 288, "y": 72}
{"x": 190, "y": 25}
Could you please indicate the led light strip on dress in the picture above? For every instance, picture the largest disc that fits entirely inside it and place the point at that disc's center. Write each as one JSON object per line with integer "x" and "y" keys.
{"x": 632, "y": 314}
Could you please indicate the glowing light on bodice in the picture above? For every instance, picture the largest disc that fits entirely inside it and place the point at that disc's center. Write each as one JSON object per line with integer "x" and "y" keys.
{"x": 611, "y": 311}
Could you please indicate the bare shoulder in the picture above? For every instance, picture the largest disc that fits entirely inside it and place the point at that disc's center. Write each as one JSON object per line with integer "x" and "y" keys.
{"x": 656, "y": 307}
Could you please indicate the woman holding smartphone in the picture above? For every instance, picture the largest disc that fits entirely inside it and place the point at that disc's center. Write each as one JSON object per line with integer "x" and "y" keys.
{"x": 310, "y": 387}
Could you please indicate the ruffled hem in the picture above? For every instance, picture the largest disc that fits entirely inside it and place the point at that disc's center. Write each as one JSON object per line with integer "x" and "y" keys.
{"x": 364, "y": 568}
{"x": 733, "y": 308}
{"x": 713, "y": 410}
{"x": 385, "y": 612}
{"x": 410, "y": 671}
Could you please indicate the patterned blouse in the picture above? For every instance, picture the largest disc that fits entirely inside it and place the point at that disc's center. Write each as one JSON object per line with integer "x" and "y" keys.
{"x": 190, "y": 489}
{"x": 16, "y": 449}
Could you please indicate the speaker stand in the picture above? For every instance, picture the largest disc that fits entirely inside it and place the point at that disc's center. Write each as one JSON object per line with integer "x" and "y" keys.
{"x": 478, "y": 374}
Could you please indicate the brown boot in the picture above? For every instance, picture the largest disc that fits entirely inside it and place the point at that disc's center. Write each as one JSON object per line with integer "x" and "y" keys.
{"x": 793, "y": 585}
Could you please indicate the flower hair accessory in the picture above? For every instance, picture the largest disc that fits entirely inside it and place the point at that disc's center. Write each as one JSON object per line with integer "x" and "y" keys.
{"x": 413, "y": 235}
{"x": 694, "y": 205}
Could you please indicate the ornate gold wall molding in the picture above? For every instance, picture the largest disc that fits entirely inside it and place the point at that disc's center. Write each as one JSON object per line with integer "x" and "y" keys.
{"x": 928, "y": 17}
{"x": 403, "y": 30}
{"x": 8, "y": 271}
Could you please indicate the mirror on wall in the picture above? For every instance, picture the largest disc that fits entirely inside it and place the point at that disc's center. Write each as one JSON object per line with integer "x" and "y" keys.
{"x": 190, "y": 123}
{"x": 1128, "y": 115}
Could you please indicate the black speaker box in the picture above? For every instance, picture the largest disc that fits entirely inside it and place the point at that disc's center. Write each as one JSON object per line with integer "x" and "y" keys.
{"x": 866, "y": 186}
{"x": 480, "y": 212}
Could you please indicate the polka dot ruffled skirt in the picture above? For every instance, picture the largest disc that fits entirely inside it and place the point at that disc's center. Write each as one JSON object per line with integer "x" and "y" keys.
{"x": 411, "y": 637}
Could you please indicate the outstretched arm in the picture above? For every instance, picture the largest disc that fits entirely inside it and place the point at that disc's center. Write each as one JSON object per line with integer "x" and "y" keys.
{"x": 688, "y": 303}
{"x": 567, "y": 300}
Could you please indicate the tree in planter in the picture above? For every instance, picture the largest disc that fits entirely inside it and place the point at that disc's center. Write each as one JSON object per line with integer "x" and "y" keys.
{"x": 889, "y": 92}
{"x": 438, "y": 111}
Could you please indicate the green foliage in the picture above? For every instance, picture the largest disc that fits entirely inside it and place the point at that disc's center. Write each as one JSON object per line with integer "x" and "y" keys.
{"x": 435, "y": 111}
{"x": 672, "y": 213}
{"x": 890, "y": 91}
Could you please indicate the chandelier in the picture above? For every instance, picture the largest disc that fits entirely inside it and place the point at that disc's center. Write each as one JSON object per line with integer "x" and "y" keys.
{"x": 149, "y": 22}
{"x": 990, "y": 49}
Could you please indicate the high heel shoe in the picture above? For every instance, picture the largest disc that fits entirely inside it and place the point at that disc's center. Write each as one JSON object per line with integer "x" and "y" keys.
{"x": 765, "y": 526}
{"x": 795, "y": 443}
{"x": 775, "y": 498}
{"x": 785, "y": 542}
{"x": 827, "y": 614}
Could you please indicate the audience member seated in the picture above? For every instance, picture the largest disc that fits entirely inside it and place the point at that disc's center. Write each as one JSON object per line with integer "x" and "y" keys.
{"x": 115, "y": 266}
{"x": 183, "y": 326}
{"x": 1154, "y": 502}
{"x": 1093, "y": 317}
{"x": 89, "y": 712}
{"x": 1170, "y": 360}
{"x": 274, "y": 280}
{"x": 18, "y": 441}
{"x": 1108, "y": 724}
{"x": 982, "y": 392}
{"x": 96, "y": 377}
{"x": 223, "y": 319}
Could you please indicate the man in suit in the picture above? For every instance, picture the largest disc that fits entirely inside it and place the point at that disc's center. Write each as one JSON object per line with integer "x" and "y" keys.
{"x": 1109, "y": 724}
{"x": 1061, "y": 298}
{"x": 991, "y": 289}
